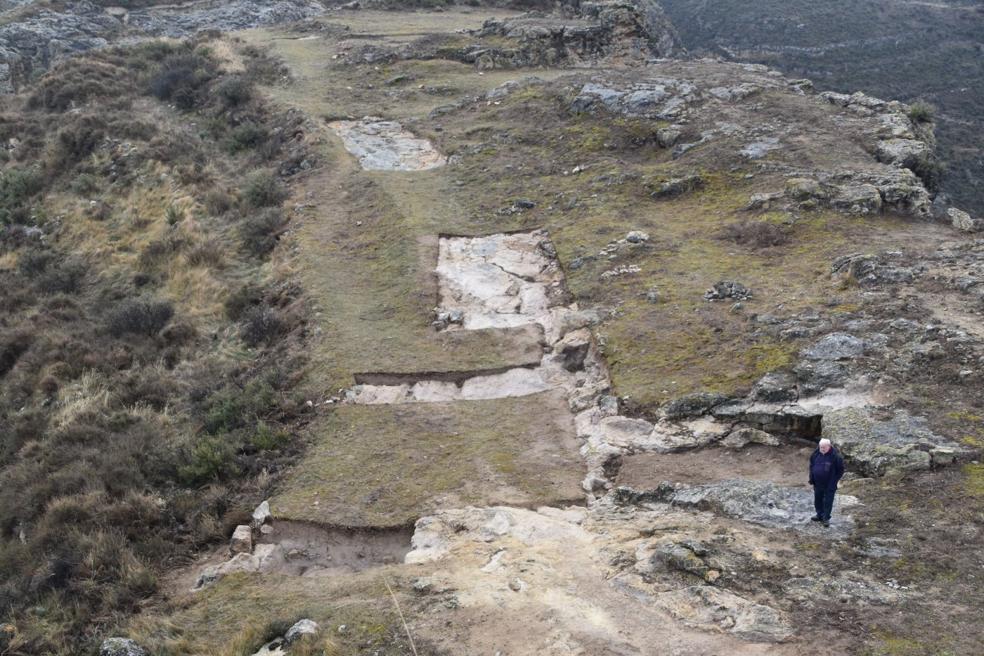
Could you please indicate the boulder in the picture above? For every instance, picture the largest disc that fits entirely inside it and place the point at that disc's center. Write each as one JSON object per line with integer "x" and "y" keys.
{"x": 878, "y": 447}
{"x": 121, "y": 647}
{"x": 712, "y": 609}
{"x": 857, "y": 198}
{"x": 902, "y": 152}
{"x": 742, "y": 437}
{"x": 835, "y": 346}
{"x": 242, "y": 540}
{"x": 264, "y": 558}
{"x": 963, "y": 221}
{"x": 678, "y": 186}
{"x": 693, "y": 405}
{"x": 775, "y": 387}
{"x": 261, "y": 515}
{"x": 300, "y": 629}
{"x": 688, "y": 556}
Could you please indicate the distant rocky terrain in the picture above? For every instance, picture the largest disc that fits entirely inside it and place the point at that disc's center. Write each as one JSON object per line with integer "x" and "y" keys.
{"x": 34, "y": 36}
{"x": 931, "y": 51}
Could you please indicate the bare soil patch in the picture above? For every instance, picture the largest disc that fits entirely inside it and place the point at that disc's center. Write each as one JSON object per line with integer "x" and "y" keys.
{"x": 784, "y": 465}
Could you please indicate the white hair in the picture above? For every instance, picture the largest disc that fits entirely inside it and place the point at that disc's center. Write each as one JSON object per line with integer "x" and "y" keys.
{"x": 825, "y": 442}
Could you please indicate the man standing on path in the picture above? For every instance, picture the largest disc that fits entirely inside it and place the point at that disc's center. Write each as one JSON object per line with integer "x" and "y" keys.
{"x": 826, "y": 469}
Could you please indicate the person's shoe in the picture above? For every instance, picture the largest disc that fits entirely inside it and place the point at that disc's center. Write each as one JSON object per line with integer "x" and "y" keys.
{"x": 816, "y": 518}
{"x": 825, "y": 523}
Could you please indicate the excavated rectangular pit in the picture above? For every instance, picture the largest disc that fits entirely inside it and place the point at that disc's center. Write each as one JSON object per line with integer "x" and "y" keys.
{"x": 386, "y": 146}
{"x": 503, "y": 281}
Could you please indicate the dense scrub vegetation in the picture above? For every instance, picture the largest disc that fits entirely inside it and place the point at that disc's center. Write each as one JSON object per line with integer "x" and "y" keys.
{"x": 148, "y": 380}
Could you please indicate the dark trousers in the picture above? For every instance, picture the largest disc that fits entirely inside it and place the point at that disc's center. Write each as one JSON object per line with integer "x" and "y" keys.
{"x": 823, "y": 500}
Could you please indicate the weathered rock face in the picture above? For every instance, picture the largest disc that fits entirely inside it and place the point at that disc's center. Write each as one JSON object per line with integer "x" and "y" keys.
{"x": 711, "y": 609}
{"x": 759, "y": 502}
{"x": 902, "y": 443}
{"x": 31, "y": 45}
{"x": 624, "y": 31}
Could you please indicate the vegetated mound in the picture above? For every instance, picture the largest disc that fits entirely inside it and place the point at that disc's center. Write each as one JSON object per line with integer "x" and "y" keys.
{"x": 906, "y": 50}
{"x": 148, "y": 354}
{"x": 35, "y": 36}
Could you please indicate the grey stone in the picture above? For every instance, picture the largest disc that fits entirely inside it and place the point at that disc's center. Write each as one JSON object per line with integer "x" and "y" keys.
{"x": 301, "y": 628}
{"x": 727, "y": 289}
{"x": 857, "y": 199}
{"x": 878, "y": 447}
{"x": 761, "y": 148}
{"x": 678, "y": 186}
{"x": 742, "y": 437}
{"x": 242, "y": 540}
{"x": 121, "y": 647}
{"x": 711, "y": 608}
{"x": 835, "y": 346}
{"x": 758, "y": 502}
{"x": 261, "y": 515}
{"x": 963, "y": 221}
{"x": 775, "y": 388}
{"x": 637, "y": 237}
{"x": 901, "y": 152}
{"x": 693, "y": 405}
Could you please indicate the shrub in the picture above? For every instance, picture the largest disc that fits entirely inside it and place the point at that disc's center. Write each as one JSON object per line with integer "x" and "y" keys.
{"x": 263, "y": 189}
{"x": 265, "y": 438}
{"x": 12, "y": 347}
{"x": 234, "y": 90}
{"x": 211, "y": 459}
{"x": 260, "y": 232}
{"x": 218, "y": 202}
{"x": 241, "y": 300}
{"x": 261, "y": 325}
{"x": 180, "y": 79}
{"x": 245, "y": 137}
{"x": 34, "y": 262}
{"x": 76, "y": 81}
{"x": 84, "y": 184}
{"x": 65, "y": 278}
{"x": 207, "y": 254}
{"x": 757, "y": 234}
{"x": 77, "y": 141}
{"x": 231, "y": 407}
{"x": 921, "y": 112}
{"x": 173, "y": 215}
{"x": 929, "y": 169}
{"x": 160, "y": 251}
{"x": 17, "y": 186}
{"x": 138, "y": 316}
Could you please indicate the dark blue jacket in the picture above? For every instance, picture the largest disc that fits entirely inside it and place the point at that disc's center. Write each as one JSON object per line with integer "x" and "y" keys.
{"x": 826, "y": 469}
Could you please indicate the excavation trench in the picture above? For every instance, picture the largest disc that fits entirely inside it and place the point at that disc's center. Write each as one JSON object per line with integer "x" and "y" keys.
{"x": 307, "y": 549}
{"x": 381, "y": 145}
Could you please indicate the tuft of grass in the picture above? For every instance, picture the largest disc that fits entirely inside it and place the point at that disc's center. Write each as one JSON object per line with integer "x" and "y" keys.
{"x": 922, "y": 112}
{"x": 974, "y": 483}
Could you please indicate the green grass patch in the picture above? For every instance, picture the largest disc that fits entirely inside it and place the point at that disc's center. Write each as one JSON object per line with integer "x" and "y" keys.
{"x": 384, "y": 466}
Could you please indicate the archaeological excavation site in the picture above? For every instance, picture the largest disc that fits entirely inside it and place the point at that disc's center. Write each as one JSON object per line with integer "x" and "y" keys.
{"x": 485, "y": 328}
